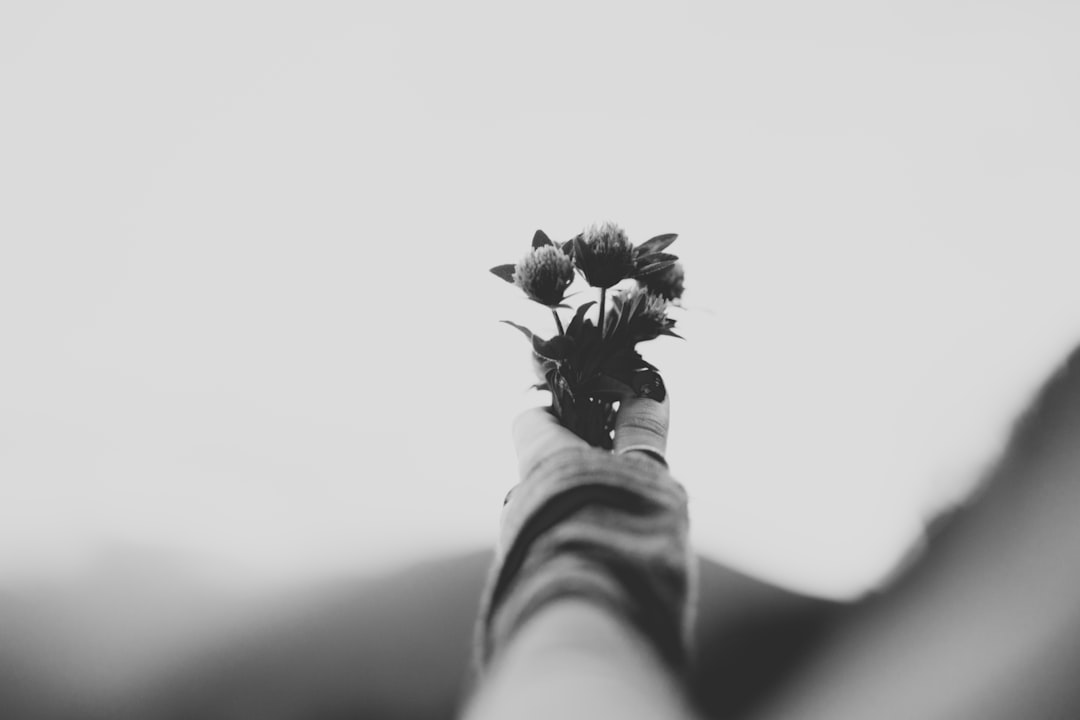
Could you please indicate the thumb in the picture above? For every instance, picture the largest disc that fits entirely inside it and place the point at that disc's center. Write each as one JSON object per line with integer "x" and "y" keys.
{"x": 642, "y": 425}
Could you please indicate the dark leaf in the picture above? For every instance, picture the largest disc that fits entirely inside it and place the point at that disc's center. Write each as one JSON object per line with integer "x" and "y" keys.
{"x": 581, "y": 254}
{"x": 648, "y": 383}
{"x": 619, "y": 316}
{"x": 656, "y": 244}
{"x": 611, "y": 322}
{"x": 653, "y": 268}
{"x": 626, "y": 360}
{"x": 524, "y": 330}
{"x": 506, "y": 272}
{"x": 562, "y": 398}
{"x": 557, "y": 348}
{"x": 592, "y": 362}
{"x": 608, "y": 387}
{"x": 559, "y": 385}
{"x": 546, "y": 364}
{"x": 579, "y": 316}
{"x": 653, "y": 258}
{"x": 540, "y": 239}
{"x": 634, "y": 303}
{"x": 557, "y": 402}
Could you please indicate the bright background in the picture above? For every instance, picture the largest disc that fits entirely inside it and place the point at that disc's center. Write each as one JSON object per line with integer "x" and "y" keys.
{"x": 246, "y": 319}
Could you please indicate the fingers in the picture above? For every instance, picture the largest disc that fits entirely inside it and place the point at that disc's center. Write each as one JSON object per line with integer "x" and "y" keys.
{"x": 641, "y": 425}
{"x": 537, "y": 434}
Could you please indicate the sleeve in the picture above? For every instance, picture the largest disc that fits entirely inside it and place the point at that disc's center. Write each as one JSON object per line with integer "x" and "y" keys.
{"x": 611, "y": 529}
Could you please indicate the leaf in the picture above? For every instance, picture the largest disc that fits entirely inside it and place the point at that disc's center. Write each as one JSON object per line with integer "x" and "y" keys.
{"x": 524, "y": 330}
{"x": 557, "y": 348}
{"x": 648, "y": 383}
{"x": 653, "y": 268}
{"x": 540, "y": 239}
{"x": 581, "y": 255}
{"x": 611, "y": 322}
{"x": 656, "y": 244}
{"x": 559, "y": 383}
{"x": 557, "y": 403}
{"x": 608, "y": 388}
{"x": 632, "y": 301}
{"x": 506, "y": 272}
{"x": 626, "y": 360}
{"x": 653, "y": 258}
{"x": 562, "y": 397}
{"x": 579, "y": 316}
{"x": 617, "y": 314}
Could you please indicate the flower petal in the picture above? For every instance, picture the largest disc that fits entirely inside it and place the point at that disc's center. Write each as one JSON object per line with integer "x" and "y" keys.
{"x": 506, "y": 272}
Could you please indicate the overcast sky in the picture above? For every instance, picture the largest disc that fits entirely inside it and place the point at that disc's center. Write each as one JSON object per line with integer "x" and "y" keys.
{"x": 245, "y": 312}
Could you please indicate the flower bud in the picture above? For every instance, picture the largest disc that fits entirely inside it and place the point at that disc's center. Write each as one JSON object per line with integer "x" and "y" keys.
{"x": 667, "y": 283}
{"x": 604, "y": 255}
{"x": 544, "y": 274}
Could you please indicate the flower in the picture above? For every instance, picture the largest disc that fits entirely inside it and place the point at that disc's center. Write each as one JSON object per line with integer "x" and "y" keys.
{"x": 604, "y": 255}
{"x": 591, "y": 364}
{"x": 637, "y": 314}
{"x": 544, "y": 273}
{"x": 652, "y": 308}
{"x": 667, "y": 283}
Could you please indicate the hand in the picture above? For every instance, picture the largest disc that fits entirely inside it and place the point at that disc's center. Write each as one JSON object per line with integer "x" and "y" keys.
{"x": 641, "y": 426}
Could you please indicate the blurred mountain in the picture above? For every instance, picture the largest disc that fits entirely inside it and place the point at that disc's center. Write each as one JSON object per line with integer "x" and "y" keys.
{"x": 146, "y": 642}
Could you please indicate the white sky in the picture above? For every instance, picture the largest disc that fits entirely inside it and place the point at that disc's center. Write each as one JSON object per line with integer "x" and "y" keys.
{"x": 245, "y": 313}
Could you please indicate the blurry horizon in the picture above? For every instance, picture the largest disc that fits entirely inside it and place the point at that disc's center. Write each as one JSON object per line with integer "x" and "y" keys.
{"x": 248, "y": 321}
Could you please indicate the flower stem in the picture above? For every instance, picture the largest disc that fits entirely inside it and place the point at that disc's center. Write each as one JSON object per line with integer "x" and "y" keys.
{"x": 558, "y": 322}
{"x": 603, "y": 297}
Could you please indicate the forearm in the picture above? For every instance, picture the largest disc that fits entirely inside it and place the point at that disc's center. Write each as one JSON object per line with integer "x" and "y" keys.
{"x": 574, "y": 659}
{"x": 588, "y": 600}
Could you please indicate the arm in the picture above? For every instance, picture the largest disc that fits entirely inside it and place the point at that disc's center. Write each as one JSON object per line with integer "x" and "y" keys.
{"x": 587, "y": 606}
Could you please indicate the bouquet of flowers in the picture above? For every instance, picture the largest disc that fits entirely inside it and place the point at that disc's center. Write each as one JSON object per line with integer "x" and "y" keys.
{"x": 590, "y": 365}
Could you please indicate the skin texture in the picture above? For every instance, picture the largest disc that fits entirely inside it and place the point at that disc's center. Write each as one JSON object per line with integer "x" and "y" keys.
{"x": 575, "y": 660}
{"x": 641, "y": 426}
